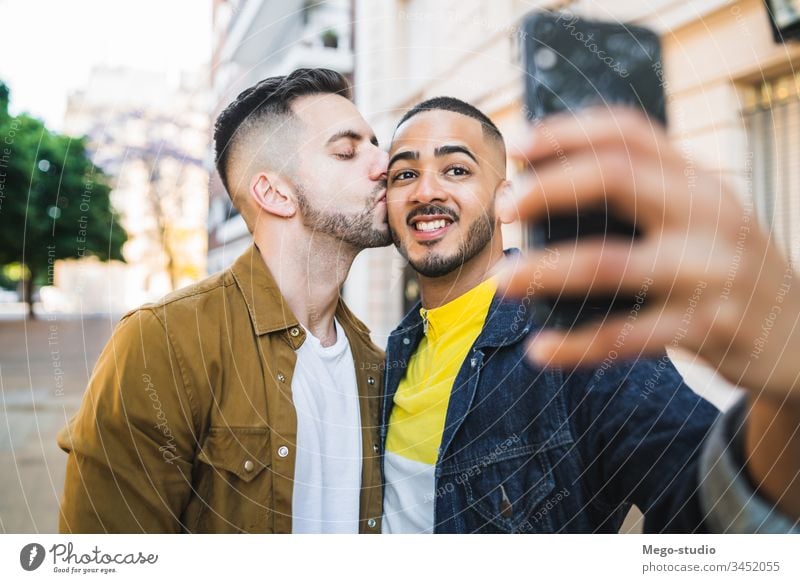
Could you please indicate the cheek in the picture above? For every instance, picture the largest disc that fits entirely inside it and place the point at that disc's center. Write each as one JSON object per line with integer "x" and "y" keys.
{"x": 395, "y": 202}
{"x": 394, "y": 196}
{"x": 395, "y": 215}
{"x": 332, "y": 184}
{"x": 476, "y": 204}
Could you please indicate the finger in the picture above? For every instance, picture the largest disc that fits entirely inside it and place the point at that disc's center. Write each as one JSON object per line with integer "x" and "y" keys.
{"x": 575, "y": 269}
{"x": 646, "y": 192}
{"x": 592, "y": 128}
{"x": 664, "y": 265}
{"x": 616, "y": 338}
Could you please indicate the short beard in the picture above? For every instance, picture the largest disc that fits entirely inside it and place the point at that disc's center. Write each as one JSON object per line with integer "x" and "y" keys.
{"x": 434, "y": 265}
{"x": 354, "y": 229}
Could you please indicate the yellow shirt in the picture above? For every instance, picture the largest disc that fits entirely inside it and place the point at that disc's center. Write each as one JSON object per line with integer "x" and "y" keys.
{"x": 420, "y": 407}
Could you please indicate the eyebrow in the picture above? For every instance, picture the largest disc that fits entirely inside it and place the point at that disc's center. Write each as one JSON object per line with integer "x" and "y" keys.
{"x": 407, "y": 155}
{"x": 446, "y": 150}
{"x": 350, "y": 135}
{"x": 438, "y": 153}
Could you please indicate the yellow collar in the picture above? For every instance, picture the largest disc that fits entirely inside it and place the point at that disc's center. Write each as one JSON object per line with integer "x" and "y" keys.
{"x": 461, "y": 311}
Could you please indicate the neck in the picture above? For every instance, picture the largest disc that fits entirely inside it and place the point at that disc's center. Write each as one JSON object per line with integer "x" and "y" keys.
{"x": 437, "y": 291}
{"x": 309, "y": 269}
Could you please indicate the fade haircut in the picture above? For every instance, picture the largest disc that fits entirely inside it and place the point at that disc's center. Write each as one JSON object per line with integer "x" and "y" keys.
{"x": 267, "y": 104}
{"x": 456, "y": 105}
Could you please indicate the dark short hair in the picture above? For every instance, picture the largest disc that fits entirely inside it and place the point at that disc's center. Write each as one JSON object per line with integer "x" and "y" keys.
{"x": 457, "y": 106}
{"x": 271, "y": 97}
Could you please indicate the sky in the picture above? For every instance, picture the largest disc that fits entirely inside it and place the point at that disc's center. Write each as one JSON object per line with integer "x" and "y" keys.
{"x": 49, "y": 47}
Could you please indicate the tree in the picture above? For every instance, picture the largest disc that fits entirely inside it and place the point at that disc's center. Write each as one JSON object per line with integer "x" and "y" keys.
{"x": 164, "y": 200}
{"x": 54, "y": 202}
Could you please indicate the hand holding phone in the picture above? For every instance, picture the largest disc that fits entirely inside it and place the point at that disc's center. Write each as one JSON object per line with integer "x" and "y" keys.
{"x": 570, "y": 64}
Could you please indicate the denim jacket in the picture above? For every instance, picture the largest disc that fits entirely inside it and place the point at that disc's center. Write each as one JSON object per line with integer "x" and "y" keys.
{"x": 530, "y": 450}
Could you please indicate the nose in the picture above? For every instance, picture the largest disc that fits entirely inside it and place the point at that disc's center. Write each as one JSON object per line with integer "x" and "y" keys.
{"x": 379, "y": 165}
{"x": 427, "y": 189}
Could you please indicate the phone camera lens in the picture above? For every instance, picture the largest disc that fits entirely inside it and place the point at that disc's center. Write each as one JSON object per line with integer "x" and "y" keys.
{"x": 545, "y": 59}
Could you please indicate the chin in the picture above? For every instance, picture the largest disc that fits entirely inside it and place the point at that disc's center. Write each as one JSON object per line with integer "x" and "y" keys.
{"x": 434, "y": 264}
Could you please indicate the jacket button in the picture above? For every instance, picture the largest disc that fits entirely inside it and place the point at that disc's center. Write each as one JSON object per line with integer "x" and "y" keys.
{"x": 370, "y": 381}
{"x": 248, "y": 466}
{"x": 281, "y": 378}
{"x": 371, "y": 523}
{"x": 294, "y": 332}
{"x": 283, "y": 451}
{"x": 375, "y": 448}
{"x": 406, "y": 341}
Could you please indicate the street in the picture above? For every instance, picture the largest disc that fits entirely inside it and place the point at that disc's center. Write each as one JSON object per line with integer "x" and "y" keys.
{"x": 45, "y": 365}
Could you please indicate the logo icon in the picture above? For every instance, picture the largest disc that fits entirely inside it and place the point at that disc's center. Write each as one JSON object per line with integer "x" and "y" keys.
{"x": 31, "y": 556}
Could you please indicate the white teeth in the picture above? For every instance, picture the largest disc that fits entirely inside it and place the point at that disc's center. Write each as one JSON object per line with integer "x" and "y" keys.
{"x": 431, "y": 225}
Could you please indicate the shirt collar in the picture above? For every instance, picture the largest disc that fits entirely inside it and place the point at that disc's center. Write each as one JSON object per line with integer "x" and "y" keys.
{"x": 268, "y": 309}
{"x": 464, "y": 310}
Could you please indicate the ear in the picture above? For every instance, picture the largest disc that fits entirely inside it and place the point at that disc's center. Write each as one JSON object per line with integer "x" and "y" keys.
{"x": 504, "y": 201}
{"x": 272, "y": 194}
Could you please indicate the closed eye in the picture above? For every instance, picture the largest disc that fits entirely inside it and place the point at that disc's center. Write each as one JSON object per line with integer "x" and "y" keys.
{"x": 348, "y": 155}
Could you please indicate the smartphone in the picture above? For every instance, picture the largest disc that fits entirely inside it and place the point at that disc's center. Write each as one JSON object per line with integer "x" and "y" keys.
{"x": 571, "y": 63}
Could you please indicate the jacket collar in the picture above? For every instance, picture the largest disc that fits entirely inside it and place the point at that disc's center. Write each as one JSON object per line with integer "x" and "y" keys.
{"x": 268, "y": 309}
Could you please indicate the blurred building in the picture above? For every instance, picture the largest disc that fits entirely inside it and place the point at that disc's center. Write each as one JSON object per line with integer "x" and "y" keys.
{"x": 255, "y": 39}
{"x": 149, "y": 133}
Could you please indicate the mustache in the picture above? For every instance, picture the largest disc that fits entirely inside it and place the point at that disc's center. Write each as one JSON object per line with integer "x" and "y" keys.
{"x": 431, "y": 209}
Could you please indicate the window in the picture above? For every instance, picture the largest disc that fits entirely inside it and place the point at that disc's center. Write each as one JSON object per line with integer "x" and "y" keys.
{"x": 772, "y": 116}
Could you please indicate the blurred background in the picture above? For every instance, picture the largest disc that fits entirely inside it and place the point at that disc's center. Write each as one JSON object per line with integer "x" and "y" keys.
{"x": 108, "y": 197}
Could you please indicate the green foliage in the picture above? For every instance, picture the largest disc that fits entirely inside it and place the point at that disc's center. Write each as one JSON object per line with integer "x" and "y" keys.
{"x": 54, "y": 202}
{"x": 4, "y": 93}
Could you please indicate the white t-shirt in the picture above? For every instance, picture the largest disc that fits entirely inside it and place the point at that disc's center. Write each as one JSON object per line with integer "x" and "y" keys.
{"x": 327, "y": 474}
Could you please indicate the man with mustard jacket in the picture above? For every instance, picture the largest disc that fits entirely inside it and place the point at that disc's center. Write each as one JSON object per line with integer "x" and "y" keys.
{"x": 249, "y": 402}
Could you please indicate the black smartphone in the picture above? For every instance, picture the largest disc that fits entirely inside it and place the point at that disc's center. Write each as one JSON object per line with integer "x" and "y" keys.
{"x": 571, "y": 63}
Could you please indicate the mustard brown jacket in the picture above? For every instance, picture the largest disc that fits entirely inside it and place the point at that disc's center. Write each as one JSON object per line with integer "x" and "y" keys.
{"x": 188, "y": 425}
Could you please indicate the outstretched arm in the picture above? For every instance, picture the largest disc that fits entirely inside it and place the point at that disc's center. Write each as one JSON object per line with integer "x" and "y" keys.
{"x": 715, "y": 283}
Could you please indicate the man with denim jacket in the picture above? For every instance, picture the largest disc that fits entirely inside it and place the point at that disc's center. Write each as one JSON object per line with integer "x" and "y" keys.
{"x": 484, "y": 431}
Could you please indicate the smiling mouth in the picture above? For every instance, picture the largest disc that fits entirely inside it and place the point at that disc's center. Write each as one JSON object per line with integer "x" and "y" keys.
{"x": 429, "y": 226}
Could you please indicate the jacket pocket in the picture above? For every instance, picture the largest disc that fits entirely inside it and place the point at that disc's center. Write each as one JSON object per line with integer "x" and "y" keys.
{"x": 506, "y": 493}
{"x": 242, "y": 451}
{"x": 233, "y": 490}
